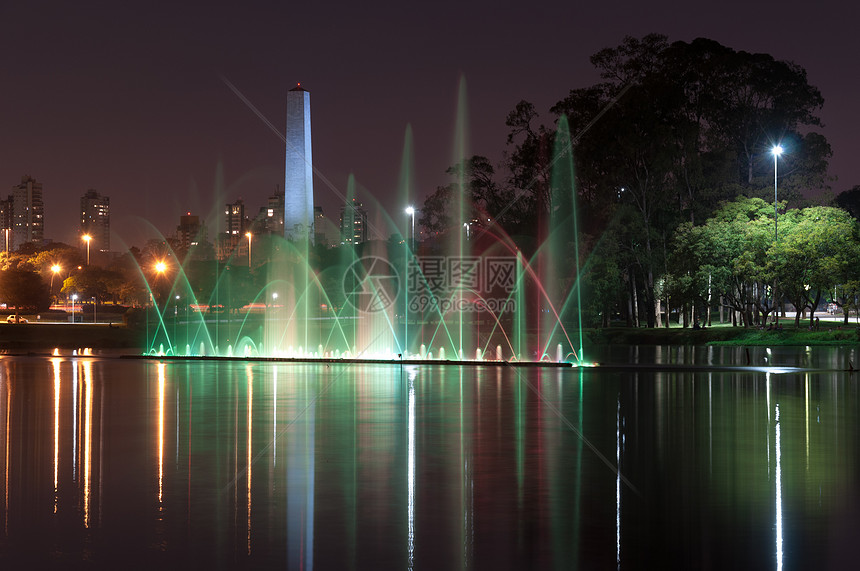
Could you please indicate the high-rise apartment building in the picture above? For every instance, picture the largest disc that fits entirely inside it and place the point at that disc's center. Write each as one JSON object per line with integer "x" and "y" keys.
{"x": 298, "y": 173}
{"x": 190, "y": 231}
{"x": 271, "y": 217}
{"x": 95, "y": 220}
{"x": 6, "y": 206}
{"x": 353, "y": 223}
{"x": 234, "y": 218}
{"x": 319, "y": 226}
{"x": 28, "y": 213}
{"x": 235, "y": 225}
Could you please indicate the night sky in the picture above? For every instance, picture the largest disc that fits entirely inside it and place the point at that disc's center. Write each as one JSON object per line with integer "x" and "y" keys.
{"x": 130, "y": 98}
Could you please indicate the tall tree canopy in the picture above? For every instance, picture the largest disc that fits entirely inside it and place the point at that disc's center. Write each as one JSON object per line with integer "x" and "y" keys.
{"x": 671, "y": 131}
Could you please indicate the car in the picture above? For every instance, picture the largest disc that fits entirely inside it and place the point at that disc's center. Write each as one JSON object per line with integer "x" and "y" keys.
{"x": 15, "y": 319}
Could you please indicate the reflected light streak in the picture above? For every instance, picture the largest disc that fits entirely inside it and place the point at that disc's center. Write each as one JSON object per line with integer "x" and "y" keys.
{"x": 88, "y": 426}
{"x": 161, "y": 367}
{"x": 56, "y": 364}
{"x": 410, "y": 519}
{"x": 778, "y": 496}
{"x": 75, "y": 381}
{"x": 250, "y": 424}
{"x": 6, "y": 462}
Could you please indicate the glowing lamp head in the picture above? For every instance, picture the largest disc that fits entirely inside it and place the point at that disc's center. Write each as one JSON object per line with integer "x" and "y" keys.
{"x": 777, "y": 150}
{"x": 56, "y": 268}
{"x": 160, "y": 267}
{"x": 410, "y": 210}
{"x": 86, "y": 238}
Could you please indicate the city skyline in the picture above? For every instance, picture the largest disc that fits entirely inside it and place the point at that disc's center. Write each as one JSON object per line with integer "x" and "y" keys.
{"x": 126, "y": 105}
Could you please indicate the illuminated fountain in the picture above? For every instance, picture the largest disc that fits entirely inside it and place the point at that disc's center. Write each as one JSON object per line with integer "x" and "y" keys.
{"x": 470, "y": 295}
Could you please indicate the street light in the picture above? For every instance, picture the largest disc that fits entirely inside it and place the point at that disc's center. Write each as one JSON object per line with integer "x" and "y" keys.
{"x": 777, "y": 150}
{"x": 86, "y": 238}
{"x": 74, "y": 297}
{"x": 55, "y": 269}
{"x": 248, "y": 234}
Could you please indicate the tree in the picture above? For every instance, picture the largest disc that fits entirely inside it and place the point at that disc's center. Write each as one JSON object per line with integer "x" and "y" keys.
{"x": 674, "y": 129}
{"x": 436, "y": 217}
{"x": 484, "y": 198}
{"x": 817, "y": 249}
{"x": 727, "y": 256}
{"x": 528, "y": 161}
{"x": 24, "y": 289}
{"x": 93, "y": 282}
{"x": 850, "y": 200}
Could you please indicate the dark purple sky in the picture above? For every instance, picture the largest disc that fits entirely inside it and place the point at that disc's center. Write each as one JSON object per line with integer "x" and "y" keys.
{"x": 128, "y": 98}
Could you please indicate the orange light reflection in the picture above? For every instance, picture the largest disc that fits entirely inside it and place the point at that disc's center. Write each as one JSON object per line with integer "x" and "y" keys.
{"x": 88, "y": 437}
{"x": 160, "y": 435}
{"x": 56, "y": 364}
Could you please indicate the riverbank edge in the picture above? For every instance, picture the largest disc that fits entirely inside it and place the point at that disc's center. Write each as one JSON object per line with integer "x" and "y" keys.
{"x": 47, "y": 336}
{"x": 830, "y": 335}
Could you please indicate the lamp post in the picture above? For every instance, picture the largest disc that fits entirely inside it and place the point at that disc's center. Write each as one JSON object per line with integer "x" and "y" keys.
{"x": 86, "y": 238}
{"x": 777, "y": 150}
{"x": 55, "y": 269}
{"x": 248, "y": 234}
{"x": 160, "y": 268}
{"x": 175, "y": 319}
{"x": 74, "y": 297}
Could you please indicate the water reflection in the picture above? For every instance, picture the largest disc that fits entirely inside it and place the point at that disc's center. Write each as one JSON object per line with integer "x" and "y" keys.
{"x": 378, "y": 467}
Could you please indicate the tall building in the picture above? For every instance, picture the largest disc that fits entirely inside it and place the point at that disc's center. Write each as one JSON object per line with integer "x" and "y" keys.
{"x": 353, "y": 223}
{"x": 6, "y": 209}
{"x": 234, "y": 218}
{"x": 190, "y": 231}
{"x": 95, "y": 220}
{"x": 192, "y": 238}
{"x": 298, "y": 172}
{"x": 271, "y": 217}
{"x": 28, "y": 212}
{"x": 235, "y": 225}
{"x": 319, "y": 226}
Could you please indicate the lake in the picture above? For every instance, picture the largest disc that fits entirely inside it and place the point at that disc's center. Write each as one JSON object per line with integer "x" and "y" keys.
{"x": 662, "y": 457}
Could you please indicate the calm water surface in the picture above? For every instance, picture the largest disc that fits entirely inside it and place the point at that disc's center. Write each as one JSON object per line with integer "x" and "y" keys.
{"x": 114, "y": 462}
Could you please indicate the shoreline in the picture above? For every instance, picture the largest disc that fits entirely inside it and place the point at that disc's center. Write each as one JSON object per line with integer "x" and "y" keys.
{"x": 45, "y": 337}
